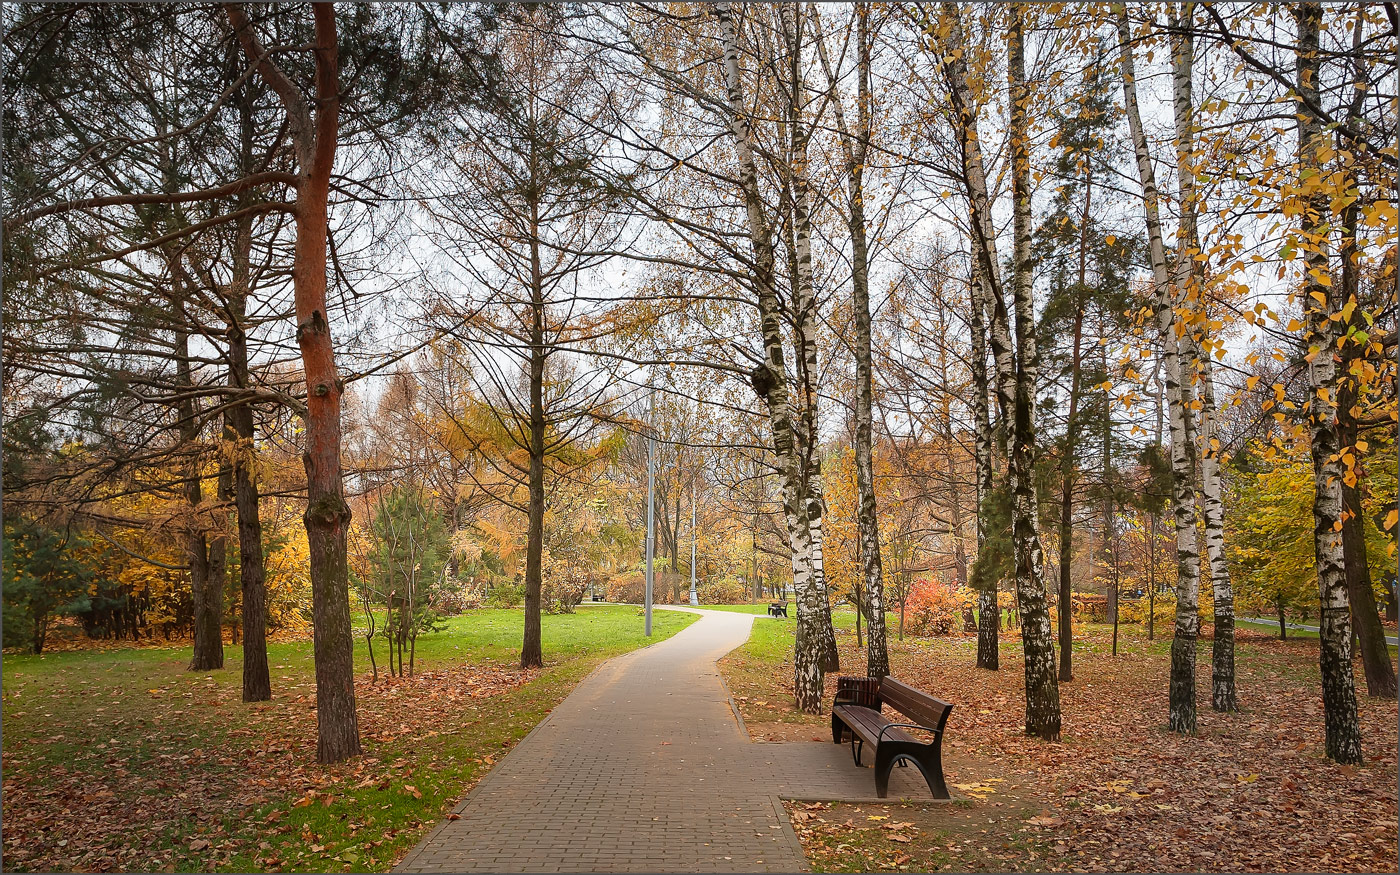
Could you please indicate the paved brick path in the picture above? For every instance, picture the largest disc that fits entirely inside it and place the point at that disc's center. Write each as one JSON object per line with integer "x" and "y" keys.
{"x": 645, "y": 767}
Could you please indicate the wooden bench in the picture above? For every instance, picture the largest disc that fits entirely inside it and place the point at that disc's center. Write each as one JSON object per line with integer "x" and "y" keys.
{"x": 778, "y": 609}
{"x": 856, "y": 715}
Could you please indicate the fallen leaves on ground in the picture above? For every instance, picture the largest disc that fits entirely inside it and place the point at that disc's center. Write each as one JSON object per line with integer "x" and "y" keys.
{"x": 1252, "y": 791}
{"x": 122, "y": 803}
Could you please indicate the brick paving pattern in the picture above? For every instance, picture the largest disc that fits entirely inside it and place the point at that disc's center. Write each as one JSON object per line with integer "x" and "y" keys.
{"x": 646, "y": 768}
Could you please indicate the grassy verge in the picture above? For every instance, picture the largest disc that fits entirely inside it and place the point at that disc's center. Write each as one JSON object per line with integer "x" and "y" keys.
{"x": 122, "y": 759}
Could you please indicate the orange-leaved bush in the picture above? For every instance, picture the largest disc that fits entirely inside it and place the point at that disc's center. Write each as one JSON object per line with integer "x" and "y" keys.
{"x": 935, "y": 607}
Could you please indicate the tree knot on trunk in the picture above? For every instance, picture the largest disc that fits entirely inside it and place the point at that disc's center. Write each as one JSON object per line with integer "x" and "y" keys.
{"x": 763, "y": 381}
{"x": 328, "y": 510}
{"x": 315, "y": 325}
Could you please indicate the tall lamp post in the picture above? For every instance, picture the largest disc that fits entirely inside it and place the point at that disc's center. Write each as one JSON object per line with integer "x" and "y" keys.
{"x": 651, "y": 501}
{"x": 693, "y": 599}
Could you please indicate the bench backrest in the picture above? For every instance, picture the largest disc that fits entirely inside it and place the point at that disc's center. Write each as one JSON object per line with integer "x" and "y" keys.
{"x": 914, "y": 703}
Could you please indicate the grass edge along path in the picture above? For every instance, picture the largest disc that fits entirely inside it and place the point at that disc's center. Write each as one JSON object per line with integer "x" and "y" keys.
{"x": 121, "y": 759}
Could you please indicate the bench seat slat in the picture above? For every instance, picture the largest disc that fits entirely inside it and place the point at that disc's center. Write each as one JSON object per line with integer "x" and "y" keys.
{"x": 867, "y": 723}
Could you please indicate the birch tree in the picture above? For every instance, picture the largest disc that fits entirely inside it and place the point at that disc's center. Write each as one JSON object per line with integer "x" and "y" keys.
{"x": 989, "y": 325}
{"x": 792, "y": 21}
{"x": 1181, "y": 715}
{"x": 1343, "y": 738}
{"x": 1190, "y": 281}
{"x": 770, "y": 379}
{"x": 855, "y": 140}
{"x": 1042, "y": 686}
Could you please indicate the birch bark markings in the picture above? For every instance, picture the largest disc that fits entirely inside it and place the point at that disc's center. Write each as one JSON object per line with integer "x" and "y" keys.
{"x": 988, "y": 608}
{"x": 770, "y": 380}
{"x": 1037, "y": 639}
{"x": 804, "y": 285}
{"x": 1181, "y": 713}
{"x": 1191, "y": 288}
{"x": 1343, "y": 727}
{"x": 989, "y": 315}
{"x": 854, "y": 148}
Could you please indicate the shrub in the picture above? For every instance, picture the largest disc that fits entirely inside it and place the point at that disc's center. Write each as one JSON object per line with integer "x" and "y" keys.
{"x": 457, "y": 595}
{"x": 629, "y": 586}
{"x": 561, "y": 593}
{"x": 1134, "y": 611}
{"x": 1090, "y": 607}
{"x": 505, "y": 595}
{"x": 725, "y": 591}
{"x": 934, "y": 608}
{"x": 45, "y": 570}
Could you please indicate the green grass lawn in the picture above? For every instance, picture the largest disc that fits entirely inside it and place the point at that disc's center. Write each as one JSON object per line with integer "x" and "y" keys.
{"x": 122, "y": 759}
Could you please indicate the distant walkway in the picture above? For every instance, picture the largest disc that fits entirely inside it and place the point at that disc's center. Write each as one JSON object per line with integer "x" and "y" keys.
{"x": 1390, "y": 639}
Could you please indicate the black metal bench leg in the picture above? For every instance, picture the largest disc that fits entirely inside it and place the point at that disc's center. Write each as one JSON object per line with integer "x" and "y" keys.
{"x": 884, "y": 761}
{"x": 933, "y": 771}
{"x": 927, "y": 758}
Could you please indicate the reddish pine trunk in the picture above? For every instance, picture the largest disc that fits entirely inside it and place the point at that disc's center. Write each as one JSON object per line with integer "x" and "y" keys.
{"x": 327, "y": 515}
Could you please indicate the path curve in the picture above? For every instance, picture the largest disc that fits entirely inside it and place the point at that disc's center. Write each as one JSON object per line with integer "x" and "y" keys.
{"x": 643, "y": 767}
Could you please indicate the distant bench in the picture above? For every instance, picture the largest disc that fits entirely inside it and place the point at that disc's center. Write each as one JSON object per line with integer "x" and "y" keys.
{"x": 855, "y": 715}
{"x": 778, "y": 609}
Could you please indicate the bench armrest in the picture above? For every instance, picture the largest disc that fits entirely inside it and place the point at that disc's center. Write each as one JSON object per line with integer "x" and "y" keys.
{"x": 881, "y": 737}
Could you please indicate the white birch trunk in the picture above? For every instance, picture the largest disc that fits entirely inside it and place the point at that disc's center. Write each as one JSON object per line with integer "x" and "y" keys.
{"x": 989, "y": 320}
{"x": 1037, "y": 638}
{"x": 1343, "y": 742}
{"x": 1191, "y": 282}
{"x": 1181, "y": 716}
{"x": 806, "y": 324}
{"x": 854, "y": 146}
{"x": 771, "y": 381}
